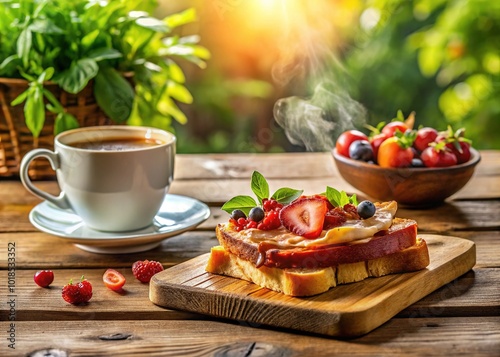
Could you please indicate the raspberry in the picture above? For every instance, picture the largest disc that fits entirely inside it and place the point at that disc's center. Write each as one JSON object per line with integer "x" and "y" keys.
{"x": 251, "y": 224}
{"x": 144, "y": 270}
{"x": 267, "y": 204}
{"x": 77, "y": 293}
{"x": 272, "y": 220}
{"x": 271, "y": 205}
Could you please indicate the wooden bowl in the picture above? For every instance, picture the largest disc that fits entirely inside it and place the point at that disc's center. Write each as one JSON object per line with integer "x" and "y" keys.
{"x": 408, "y": 186}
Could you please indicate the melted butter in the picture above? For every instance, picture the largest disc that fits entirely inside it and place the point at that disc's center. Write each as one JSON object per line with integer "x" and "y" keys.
{"x": 357, "y": 231}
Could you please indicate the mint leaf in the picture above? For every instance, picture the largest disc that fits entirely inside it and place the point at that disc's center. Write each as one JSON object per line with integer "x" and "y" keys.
{"x": 259, "y": 186}
{"x": 333, "y": 196}
{"x": 286, "y": 195}
{"x": 339, "y": 198}
{"x": 244, "y": 203}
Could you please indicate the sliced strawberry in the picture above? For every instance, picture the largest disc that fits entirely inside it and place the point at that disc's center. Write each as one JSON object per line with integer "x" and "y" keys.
{"x": 304, "y": 217}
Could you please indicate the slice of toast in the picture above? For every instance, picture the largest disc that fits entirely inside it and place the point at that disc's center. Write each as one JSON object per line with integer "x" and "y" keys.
{"x": 307, "y": 282}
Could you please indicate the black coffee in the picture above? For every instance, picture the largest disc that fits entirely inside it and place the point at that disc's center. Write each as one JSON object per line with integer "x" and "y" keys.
{"x": 117, "y": 144}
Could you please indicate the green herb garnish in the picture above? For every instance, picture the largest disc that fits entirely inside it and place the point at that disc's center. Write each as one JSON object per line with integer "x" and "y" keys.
{"x": 340, "y": 198}
{"x": 260, "y": 188}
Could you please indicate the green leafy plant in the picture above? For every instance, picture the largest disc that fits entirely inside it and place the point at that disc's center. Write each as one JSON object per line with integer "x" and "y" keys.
{"x": 126, "y": 53}
{"x": 439, "y": 58}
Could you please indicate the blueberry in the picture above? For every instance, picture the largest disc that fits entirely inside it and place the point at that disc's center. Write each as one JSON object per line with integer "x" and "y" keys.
{"x": 417, "y": 163}
{"x": 366, "y": 209}
{"x": 361, "y": 150}
{"x": 237, "y": 213}
{"x": 256, "y": 214}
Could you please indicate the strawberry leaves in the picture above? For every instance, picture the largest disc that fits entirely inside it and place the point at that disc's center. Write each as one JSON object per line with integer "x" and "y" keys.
{"x": 260, "y": 187}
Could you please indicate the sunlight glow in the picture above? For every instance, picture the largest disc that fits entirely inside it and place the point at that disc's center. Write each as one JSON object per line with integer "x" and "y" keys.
{"x": 291, "y": 37}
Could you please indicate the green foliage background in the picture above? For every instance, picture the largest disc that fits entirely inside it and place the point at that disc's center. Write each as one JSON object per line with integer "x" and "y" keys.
{"x": 439, "y": 58}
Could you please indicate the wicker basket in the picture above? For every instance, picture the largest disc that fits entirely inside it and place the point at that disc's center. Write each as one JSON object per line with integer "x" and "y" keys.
{"x": 15, "y": 138}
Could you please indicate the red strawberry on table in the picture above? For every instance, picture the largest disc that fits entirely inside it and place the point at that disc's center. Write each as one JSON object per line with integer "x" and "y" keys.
{"x": 304, "y": 217}
{"x": 77, "y": 293}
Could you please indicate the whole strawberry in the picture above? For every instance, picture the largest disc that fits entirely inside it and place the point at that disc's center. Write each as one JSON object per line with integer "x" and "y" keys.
{"x": 79, "y": 293}
{"x": 144, "y": 270}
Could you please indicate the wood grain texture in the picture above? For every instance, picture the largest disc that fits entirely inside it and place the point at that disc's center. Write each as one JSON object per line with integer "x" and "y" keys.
{"x": 36, "y": 250}
{"x": 347, "y": 310}
{"x": 44, "y": 304}
{"x": 436, "y": 337}
{"x": 473, "y": 294}
{"x": 457, "y": 298}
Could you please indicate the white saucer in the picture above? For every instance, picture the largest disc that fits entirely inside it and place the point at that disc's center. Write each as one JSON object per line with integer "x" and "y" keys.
{"x": 177, "y": 214}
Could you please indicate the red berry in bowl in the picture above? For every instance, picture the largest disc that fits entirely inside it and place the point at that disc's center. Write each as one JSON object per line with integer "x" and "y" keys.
{"x": 391, "y": 128}
{"x": 144, "y": 270}
{"x": 376, "y": 141}
{"x": 44, "y": 278}
{"x": 438, "y": 156}
{"x": 346, "y": 139}
{"x": 424, "y": 137}
{"x": 461, "y": 150}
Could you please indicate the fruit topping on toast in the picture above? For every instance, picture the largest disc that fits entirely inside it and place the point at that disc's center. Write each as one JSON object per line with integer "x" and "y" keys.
{"x": 293, "y": 220}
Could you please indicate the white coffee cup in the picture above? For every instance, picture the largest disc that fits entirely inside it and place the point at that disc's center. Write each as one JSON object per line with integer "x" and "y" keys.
{"x": 114, "y": 177}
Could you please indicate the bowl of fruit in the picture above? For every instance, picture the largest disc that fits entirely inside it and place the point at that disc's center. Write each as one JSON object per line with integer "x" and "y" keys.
{"x": 415, "y": 167}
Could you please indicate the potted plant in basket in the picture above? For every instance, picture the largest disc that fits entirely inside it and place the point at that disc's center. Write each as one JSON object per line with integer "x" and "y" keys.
{"x": 65, "y": 64}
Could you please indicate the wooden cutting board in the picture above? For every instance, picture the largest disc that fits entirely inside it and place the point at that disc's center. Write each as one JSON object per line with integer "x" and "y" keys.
{"x": 346, "y": 310}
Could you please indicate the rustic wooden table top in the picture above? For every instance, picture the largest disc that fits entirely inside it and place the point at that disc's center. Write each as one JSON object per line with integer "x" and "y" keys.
{"x": 461, "y": 318}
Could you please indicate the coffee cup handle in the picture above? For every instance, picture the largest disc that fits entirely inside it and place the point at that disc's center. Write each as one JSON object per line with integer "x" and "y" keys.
{"x": 53, "y": 158}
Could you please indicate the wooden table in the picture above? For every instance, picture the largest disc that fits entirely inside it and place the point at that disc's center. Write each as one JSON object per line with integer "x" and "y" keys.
{"x": 461, "y": 318}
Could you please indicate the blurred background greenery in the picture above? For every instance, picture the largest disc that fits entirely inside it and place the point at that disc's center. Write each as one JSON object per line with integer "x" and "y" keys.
{"x": 439, "y": 58}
